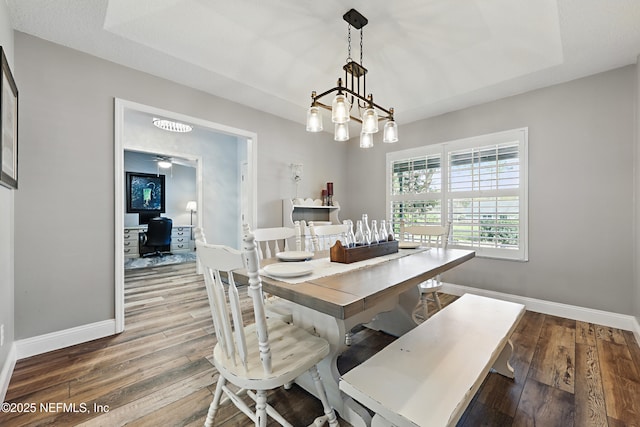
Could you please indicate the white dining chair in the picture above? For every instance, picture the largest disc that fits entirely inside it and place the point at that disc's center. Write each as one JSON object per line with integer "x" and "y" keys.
{"x": 270, "y": 241}
{"x": 254, "y": 357}
{"x": 322, "y": 238}
{"x": 432, "y": 236}
{"x": 275, "y": 307}
{"x": 325, "y": 236}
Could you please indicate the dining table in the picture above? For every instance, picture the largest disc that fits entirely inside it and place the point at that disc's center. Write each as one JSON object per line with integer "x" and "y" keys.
{"x": 332, "y": 298}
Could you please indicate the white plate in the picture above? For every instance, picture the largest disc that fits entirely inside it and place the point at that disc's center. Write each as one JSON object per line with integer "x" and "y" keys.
{"x": 408, "y": 245}
{"x": 294, "y": 255}
{"x": 287, "y": 269}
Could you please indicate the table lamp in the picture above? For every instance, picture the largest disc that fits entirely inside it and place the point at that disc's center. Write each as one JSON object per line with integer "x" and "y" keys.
{"x": 192, "y": 207}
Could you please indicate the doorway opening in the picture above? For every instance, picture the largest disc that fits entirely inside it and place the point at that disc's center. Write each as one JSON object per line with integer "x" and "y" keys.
{"x": 225, "y": 176}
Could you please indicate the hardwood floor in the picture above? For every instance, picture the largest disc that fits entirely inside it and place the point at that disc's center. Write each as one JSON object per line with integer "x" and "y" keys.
{"x": 159, "y": 371}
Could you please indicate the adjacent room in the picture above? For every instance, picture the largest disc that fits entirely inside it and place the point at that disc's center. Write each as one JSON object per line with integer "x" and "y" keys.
{"x": 356, "y": 214}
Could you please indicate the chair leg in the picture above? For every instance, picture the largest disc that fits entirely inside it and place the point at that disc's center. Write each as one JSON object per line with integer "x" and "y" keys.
{"x": 261, "y": 408}
{"x": 421, "y": 311}
{"x": 329, "y": 413}
{"x": 211, "y": 414}
{"x": 425, "y": 305}
{"x": 436, "y": 299}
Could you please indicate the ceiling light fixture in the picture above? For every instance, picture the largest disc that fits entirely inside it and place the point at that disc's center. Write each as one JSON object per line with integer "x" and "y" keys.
{"x": 355, "y": 80}
{"x": 164, "y": 164}
{"x": 172, "y": 126}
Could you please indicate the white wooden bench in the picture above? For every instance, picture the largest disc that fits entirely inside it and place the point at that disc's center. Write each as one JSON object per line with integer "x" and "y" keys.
{"x": 428, "y": 376}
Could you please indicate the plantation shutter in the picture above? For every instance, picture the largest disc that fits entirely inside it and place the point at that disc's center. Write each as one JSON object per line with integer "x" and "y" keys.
{"x": 479, "y": 184}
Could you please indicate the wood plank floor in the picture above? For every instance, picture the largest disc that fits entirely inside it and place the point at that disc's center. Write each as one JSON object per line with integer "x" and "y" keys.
{"x": 159, "y": 371}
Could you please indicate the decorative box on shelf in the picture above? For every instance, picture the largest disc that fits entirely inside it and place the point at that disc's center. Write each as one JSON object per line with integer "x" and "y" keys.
{"x": 346, "y": 255}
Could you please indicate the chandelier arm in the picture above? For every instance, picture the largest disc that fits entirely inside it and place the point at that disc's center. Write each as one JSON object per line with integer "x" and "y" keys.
{"x": 357, "y": 95}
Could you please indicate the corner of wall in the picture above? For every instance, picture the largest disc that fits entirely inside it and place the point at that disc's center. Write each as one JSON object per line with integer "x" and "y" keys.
{"x": 636, "y": 205}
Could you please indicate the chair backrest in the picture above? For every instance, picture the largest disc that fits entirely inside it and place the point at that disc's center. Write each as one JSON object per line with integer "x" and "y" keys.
{"x": 325, "y": 236}
{"x": 198, "y": 234}
{"x": 270, "y": 241}
{"x": 159, "y": 231}
{"x": 435, "y": 236}
{"x": 224, "y": 300}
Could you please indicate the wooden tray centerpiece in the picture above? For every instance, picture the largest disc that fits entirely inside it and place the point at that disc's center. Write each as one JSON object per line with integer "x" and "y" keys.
{"x": 346, "y": 255}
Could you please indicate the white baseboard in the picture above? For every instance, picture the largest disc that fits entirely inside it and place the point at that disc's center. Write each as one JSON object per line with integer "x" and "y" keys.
{"x": 56, "y": 340}
{"x": 7, "y": 370}
{"x": 636, "y": 330}
{"x": 599, "y": 317}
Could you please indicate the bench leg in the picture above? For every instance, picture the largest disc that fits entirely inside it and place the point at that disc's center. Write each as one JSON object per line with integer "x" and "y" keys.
{"x": 379, "y": 421}
{"x": 502, "y": 365}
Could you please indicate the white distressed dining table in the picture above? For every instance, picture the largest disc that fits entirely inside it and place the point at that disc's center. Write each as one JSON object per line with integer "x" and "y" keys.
{"x": 381, "y": 296}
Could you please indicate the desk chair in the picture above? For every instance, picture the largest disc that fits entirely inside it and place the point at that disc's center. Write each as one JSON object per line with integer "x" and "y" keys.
{"x": 436, "y": 237}
{"x": 260, "y": 356}
{"x": 158, "y": 235}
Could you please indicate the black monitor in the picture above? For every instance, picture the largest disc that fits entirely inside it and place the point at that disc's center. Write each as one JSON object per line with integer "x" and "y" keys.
{"x": 145, "y": 195}
{"x": 144, "y": 217}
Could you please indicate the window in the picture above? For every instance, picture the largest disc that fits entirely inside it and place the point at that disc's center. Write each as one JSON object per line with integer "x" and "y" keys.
{"x": 478, "y": 183}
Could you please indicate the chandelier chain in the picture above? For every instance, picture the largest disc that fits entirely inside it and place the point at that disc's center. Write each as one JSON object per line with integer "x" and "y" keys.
{"x": 349, "y": 43}
{"x": 361, "y": 45}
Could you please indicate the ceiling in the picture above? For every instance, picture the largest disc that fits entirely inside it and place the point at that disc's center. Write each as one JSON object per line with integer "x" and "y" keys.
{"x": 425, "y": 57}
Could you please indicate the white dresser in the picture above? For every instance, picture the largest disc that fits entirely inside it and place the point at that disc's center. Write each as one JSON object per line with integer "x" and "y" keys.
{"x": 180, "y": 240}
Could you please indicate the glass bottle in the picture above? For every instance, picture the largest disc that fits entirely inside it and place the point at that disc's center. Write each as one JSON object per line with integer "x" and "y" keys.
{"x": 351, "y": 237}
{"x": 375, "y": 237}
{"x": 359, "y": 236}
{"x": 365, "y": 229}
{"x": 390, "y": 233}
{"x": 383, "y": 230}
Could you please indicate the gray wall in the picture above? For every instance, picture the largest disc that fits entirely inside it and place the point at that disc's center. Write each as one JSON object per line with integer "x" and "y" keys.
{"x": 64, "y": 266}
{"x": 581, "y": 165}
{"x": 7, "y": 214}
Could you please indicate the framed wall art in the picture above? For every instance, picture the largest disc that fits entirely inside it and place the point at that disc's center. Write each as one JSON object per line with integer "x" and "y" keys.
{"x": 8, "y": 126}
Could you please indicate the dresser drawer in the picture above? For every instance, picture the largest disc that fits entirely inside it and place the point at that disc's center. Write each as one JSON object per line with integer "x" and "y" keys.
{"x": 180, "y": 247}
{"x": 181, "y": 232}
{"x": 131, "y": 243}
{"x": 131, "y": 252}
{"x": 180, "y": 240}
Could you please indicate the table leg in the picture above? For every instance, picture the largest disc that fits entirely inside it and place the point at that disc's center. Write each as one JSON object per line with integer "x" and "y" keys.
{"x": 399, "y": 320}
{"x": 333, "y": 330}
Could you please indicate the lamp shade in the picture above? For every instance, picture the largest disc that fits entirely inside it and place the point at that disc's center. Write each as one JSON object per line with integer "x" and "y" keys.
{"x": 340, "y": 109}
{"x": 165, "y": 164}
{"x": 192, "y": 206}
{"x": 390, "y": 132}
{"x": 341, "y": 132}
{"x": 366, "y": 140}
{"x": 314, "y": 119}
{"x": 370, "y": 121}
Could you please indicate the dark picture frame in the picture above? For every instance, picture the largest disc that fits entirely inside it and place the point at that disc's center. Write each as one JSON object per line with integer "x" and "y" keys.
{"x": 145, "y": 193}
{"x": 8, "y": 126}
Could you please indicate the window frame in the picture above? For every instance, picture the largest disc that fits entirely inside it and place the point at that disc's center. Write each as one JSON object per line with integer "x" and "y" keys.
{"x": 446, "y": 195}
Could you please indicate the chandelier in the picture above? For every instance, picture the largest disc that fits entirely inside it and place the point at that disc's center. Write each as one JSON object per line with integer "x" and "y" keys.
{"x": 350, "y": 102}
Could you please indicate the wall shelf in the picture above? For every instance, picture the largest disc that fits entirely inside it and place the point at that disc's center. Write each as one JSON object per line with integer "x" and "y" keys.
{"x": 308, "y": 210}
